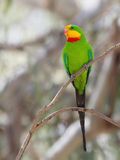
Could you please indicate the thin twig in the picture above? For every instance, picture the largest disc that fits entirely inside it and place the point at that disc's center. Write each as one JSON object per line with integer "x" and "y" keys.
{"x": 58, "y": 95}
{"x": 56, "y": 113}
{"x": 66, "y": 109}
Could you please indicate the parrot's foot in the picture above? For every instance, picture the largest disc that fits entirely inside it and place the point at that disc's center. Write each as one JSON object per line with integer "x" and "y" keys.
{"x": 73, "y": 76}
{"x": 86, "y": 66}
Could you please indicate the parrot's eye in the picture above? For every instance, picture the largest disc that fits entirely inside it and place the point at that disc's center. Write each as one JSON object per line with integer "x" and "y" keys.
{"x": 72, "y": 27}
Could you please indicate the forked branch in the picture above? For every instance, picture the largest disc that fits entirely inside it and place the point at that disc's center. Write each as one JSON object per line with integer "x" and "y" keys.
{"x": 36, "y": 124}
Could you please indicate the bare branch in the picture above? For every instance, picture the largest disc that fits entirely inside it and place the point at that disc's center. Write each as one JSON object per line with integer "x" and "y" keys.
{"x": 58, "y": 95}
{"x": 52, "y": 115}
{"x": 90, "y": 111}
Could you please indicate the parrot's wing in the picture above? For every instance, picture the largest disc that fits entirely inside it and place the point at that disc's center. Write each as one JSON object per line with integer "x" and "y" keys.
{"x": 91, "y": 57}
{"x": 66, "y": 63}
{"x": 90, "y": 54}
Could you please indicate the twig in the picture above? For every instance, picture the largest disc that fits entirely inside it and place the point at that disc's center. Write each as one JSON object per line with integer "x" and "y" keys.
{"x": 52, "y": 115}
{"x": 91, "y": 111}
{"x": 58, "y": 95}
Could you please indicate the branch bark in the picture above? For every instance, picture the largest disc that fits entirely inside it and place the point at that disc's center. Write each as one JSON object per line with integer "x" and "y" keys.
{"x": 90, "y": 111}
{"x": 58, "y": 95}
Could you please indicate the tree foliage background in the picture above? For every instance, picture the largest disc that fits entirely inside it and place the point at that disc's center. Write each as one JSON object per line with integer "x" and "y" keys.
{"x": 31, "y": 72}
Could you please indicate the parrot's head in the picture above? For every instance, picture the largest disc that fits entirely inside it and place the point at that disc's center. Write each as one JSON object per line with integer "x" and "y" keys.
{"x": 73, "y": 33}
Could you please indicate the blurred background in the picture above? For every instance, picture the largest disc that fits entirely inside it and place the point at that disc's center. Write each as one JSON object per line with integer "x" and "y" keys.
{"x": 31, "y": 72}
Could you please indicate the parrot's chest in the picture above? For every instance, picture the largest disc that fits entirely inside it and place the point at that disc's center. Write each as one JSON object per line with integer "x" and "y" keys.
{"x": 77, "y": 59}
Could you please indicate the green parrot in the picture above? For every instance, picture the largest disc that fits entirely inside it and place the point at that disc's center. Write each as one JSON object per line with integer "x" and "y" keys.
{"x": 77, "y": 52}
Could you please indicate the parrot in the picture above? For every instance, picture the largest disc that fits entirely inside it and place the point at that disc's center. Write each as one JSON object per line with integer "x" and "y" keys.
{"x": 76, "y": 53}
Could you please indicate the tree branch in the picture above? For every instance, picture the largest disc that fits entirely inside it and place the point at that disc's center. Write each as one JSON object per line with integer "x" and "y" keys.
{"x": 58, "y": 95}
{"x": 90, "y": 111}
{"x": 52, "y": 115}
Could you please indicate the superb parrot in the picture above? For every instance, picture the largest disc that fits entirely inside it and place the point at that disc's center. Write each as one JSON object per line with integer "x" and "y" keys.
{"x": 76, "y": 53}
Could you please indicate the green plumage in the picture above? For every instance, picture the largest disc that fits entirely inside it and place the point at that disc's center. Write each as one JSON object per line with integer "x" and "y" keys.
{"x": 75, "y": 55}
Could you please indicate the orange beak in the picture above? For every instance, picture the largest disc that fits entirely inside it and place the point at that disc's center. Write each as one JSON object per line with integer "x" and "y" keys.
{"x": 66, "y": 30}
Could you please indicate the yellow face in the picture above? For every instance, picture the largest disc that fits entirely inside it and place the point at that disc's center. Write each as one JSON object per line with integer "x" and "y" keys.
{"x": 70, "y": 33}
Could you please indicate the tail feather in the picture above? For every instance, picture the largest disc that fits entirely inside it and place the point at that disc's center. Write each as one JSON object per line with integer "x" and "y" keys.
{"x": 80, "y": 100}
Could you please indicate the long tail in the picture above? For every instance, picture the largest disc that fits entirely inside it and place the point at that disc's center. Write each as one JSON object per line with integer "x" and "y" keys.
{"x": 80, "y": 100}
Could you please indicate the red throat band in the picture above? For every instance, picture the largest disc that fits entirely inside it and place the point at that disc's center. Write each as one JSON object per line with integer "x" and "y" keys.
{"x": 73, "y": 39}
